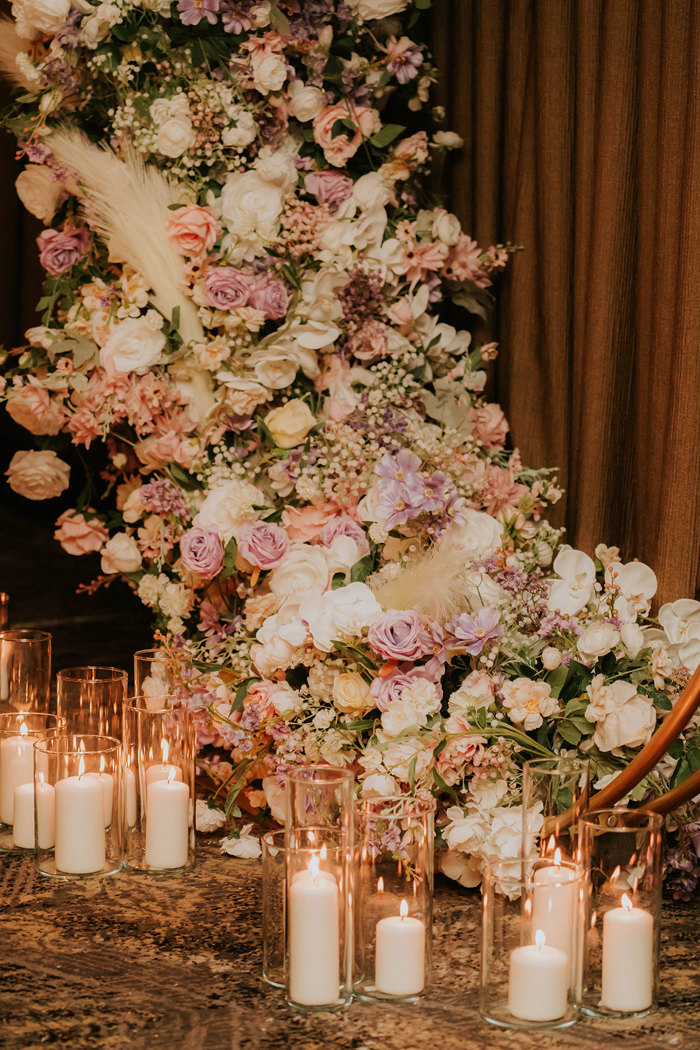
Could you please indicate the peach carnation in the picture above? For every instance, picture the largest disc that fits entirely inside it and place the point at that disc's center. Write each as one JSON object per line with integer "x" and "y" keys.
{"x": 80, "y": 535}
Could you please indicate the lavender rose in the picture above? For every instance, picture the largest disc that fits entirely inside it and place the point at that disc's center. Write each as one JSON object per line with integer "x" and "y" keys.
{"x": 270, "y": 296}
{"x": 58, "y": 251}
{"x": 202, "y": 552}
{"x": 227, "y": 288}
{"x": 330, "y": 187}
{"x": 263, "y": 544}
{"x": 343, "y": 525}
{"x": 399, "y": 635}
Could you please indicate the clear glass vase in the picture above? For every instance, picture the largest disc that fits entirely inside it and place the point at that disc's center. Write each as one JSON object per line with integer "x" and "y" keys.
{"x": 19, "y": 731}
{"x": 25, "y": 670}
{"x": 555, "y": 794}
{"x": 91, "y": 699}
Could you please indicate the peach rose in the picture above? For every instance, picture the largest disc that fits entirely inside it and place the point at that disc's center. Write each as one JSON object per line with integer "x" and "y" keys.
{"x": 490, "y": 425}
{"x": 35, "y": 410}
{"x": 80, "y": 535}
{"x": 38, "y": 474}
{"x": 306, "y": 523}
{"x": 194, "y": 230}
{"x": 338, "y": 149}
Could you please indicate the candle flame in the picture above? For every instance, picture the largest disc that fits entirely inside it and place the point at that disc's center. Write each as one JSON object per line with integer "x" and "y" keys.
{"x": 551, "y": 844}
{"x": 312, "y": 837}
{"x": 324, "y": 852}
{"x": 540, "y": 938}
{"x": 380, "y": 885}
{"x": 557, "y": 856}
{"x": 23, "y": 729}
{"x": 81, "y": 767}
{"x": 616, "y": 874}
{"x": 626, "y": 902}
{"x": 313, "y": 867}
{"x": 164, "y": 749}
{"x": 403, "y": 910}
{"x": 171, "y": 774}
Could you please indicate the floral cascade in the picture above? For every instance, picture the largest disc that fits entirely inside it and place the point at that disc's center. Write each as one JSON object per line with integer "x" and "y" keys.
{"x": 248, "y": 306}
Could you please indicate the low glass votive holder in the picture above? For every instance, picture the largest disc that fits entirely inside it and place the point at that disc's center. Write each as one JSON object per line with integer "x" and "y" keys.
{"x": 19, "y": 731}
{"x": 159, "y": 786}
{"x": 274, "y": 893}
{"x": 393, "y": 919}
{"x": 555, "y": 795}
{"x": 152, "y": 676}
{"x": 77, "y": 805}
{"x": 91, "y": 699}
{"x": 531, "y": 943}
{"x": 25, "y": 670}
{"x": 622, "y": 851}
{"x": 319, "y": 888}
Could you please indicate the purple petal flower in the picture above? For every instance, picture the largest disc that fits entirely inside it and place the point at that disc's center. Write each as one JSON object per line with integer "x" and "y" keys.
{"x": 399, "y": 501}
{"x": 399, "y": 635}
{"x": 193, "y": 11}
{"x": 398, "y": 468}
{"x": 473, "y": 632}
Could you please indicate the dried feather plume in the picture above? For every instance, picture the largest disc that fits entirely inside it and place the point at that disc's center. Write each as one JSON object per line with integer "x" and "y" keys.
{"x": 127, "y": 205}
{"x": 16, "y": 68}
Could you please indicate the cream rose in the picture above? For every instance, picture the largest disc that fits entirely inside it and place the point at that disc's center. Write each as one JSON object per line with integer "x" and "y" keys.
{"x": 120, "y": 554}
{"x": 623, "y": 717}
{"x": 96, "y": 27}
{"x": 133, "y": 346}
{"x": 368, "y": 9}
{"x": 269, "y": 72}
{"x": 34, "y": 409}
{"x": 305, "y": 102}
{"x": 289, "y": 424}
{"x": 227, "y": 506}
{"x": 597, "y": 640}
{"x": 446, "y": 227}
{"x": 251, "y": 205}
{"x": 175, "y": 136}
{"x": 285, "y": 700}
{"x": 351, "y": 694}
{"x": 303, "y": 571}
{"x": 38, "y": 474}
{"x": 242, "y": 133}
{"x": 39, "y": 16}
{"x": 402, "y": 717}
{"x": 38, "y": 191}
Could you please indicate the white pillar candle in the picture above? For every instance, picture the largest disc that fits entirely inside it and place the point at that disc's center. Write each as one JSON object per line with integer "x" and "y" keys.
{"x": 23, "y": 817}
{"x": 554, "y": 906}
{"x": 628, "y": 958}
{"x": 16, "y": 767}
{"x": 538, "y": 984}
{"x": 106, "y": 782}
{"x": 46, "y": 815}
{"x": 80, "y": 829}
{"x": 130, "y": 797}
{"x": 161, "y": 771}
{"x": 167, "y": 823}
{"x": 314, "y": 938}
{"x": 400, "y": 958}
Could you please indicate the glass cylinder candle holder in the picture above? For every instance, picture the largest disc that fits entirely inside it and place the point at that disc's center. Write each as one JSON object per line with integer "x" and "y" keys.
{"x": 159, "y": 786}
{"x": 622, "y": 853}
{"x": 91, "y": 699}
{"x": 531, "y": 943}
{"x": 25, "y": 670}
{"x": 320, "y": 888}
{"x": 152, "y": 676}
{"x": 393, "y": 922}
{"x": 19, "y": 731}
{"x": 555, "y": 795}
{"x": 77, "y": 805}
{"x": 274, "y": 907}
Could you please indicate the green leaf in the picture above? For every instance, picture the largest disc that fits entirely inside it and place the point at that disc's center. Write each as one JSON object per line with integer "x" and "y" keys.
{"x": 182, "y": 478}
{"x": 357, "y": 654}
{"x": 556, "y": 678}
{"x": 230, "y": 555}
{"x": 361, "y": 569}
{"x": 660, "y": 699}
{"x": 412, "y": 775}
{"x": 443, "y": 787}
{"x": 568, "y": 732}
{"x": 337, "y": 581}
{"x": 279, "y": 22}
{"x": 386, "y": 135}
{"x": 681, "y": 772}
{"x": 694, "y": 760}
{"x": 422, "y": 5}
{"x": 241, "y": 694}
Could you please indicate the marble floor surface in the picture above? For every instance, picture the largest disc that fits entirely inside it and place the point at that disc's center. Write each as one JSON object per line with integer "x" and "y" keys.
{"x": 173, "y": 963}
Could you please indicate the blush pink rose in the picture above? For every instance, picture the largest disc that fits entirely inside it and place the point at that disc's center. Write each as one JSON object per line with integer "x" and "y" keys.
{"x": 338, "y": 149}
{"x": 202, "y": 552}
{"x": 227, "y": 288}
{"x": 35, "y": 410}
{"x": 263, "y": 544}
{"x": 330, "y": 187}
{"x": 370, "y": 342}
{"x": 490, "y": 425}
{"x": 271, "y": 297}
{"x": 59, "y": 250}
{"x": 194, "y": 230}
{"x": 80, "y": 535}
{"x": 306, "y": 523}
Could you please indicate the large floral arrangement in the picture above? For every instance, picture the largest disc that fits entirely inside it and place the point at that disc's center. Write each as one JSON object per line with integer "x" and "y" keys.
{"x": 255, "y": 306}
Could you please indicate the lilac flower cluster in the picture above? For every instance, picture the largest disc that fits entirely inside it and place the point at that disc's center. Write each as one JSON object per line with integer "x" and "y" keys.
{"x": 162, "y": 497}
{"x": 405, "y": 492}
{"x": 362, "y": 298}
{"x": 556, "y": 621}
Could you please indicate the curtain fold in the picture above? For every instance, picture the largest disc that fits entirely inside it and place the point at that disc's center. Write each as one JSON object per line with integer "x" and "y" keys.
{"x": 580, "y": 120}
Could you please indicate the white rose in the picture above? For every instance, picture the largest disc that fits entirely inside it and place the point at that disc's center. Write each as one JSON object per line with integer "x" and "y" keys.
{"x": 379, "y": 785}
{"x": 465, "y": 831}
{"x": 245, "y": 845}
{"x": 242, "y": 133}
{"x": 285, "y": 700}
{"x": 302, "y": 571}
{"x": 551, "y": 657}
{"x": 478, "y": 538}
{"x": 175, "y": 136}
{"x": 208, "y": 819}
{"x": 96, "y": 27}
{"x": 133, "y": 346}
{"x": 38, "y": 191}
{"x": 227, "y": 506}
{"x": 368, "y": 9}
{"x": 120, "y": 554}
{"x": 372, "y": 190}
{"x": 446, "y": 227}
{"x": 488, "y": 793}
{"x": 250, "y": 205}
{"x": 339, "y": 615}
{"x": 402, "y": 717}
{"x": 163, "y": 108}
{"x": 242, "y": 395}
{"x": 623, "y": 717}
{"x": 38, "y": 474}
{"x": 352, "y": 694}
{"x": 448, "y": 139}
{"x": 269, "y": 72}
{"x": 290, "y": 423}
{"x": 305, "y": 102}
{"x": 632, "y": 637}
{"x": 528, "y": 703}
{"x": 597, "y": 640}
{"x": 274, "y": 655}
{"x": 43, "y": 16}
{"x": 278, "y": 167}
{"x": 275, "y": 368}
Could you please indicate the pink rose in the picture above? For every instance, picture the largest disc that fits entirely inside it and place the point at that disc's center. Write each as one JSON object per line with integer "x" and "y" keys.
{"x": 490, "y": 425}
{"x": 330, "y": 187}
{"x": 338, "y": 149}
{"x": 271, "y": 297}
{"x": 306, "y": 523}
{"x": 343, "y": 525}
{"x": 399, "y": 635}
{"x": 370, "y": 342}
{"x": 227, "y": 288}
{"x": 263, "y": 544}
{"x": 58, "y": 251}
{"x": 80, "y": 535}
{"x": 194, "y": 230}
{"x": 35, "y": 410}
{"x": 202, "y": 552}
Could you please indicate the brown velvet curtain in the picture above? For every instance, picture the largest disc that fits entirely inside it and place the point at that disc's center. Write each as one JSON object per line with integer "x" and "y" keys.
{"x": 580, "y": 120}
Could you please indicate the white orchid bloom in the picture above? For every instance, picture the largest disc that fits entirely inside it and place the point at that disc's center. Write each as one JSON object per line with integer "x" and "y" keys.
{"x": 636, "y": 585}
{"x": 573, "y": 591}
{"x": 681, "y": 623}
